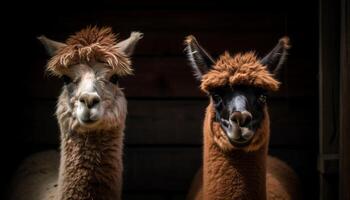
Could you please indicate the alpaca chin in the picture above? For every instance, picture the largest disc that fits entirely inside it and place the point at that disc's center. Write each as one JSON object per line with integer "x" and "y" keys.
{"x": 238, "y": 140}
{"x": 104, "y": 124}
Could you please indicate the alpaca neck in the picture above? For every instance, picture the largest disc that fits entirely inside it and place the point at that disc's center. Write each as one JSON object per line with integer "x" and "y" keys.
{"x": 91, "y": 166}
{"x": 236, "y": 174}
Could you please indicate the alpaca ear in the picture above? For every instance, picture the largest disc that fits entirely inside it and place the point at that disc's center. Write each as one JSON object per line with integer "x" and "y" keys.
{"x": 277, "y": 56}
{"x": 127, "y": 46}
{"x": 51, "y": 46}
{"x": 201, "y": 61}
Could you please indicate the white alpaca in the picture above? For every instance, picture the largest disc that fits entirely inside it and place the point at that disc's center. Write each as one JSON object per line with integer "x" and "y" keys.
{"x": 91, "y": 113}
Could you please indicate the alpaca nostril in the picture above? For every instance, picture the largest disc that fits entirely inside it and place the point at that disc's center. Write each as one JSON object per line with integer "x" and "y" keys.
{"x": 83, "y": 99}
{"x": 246, "y": 118}
{"x": 241, "y": 118}
{"x": 236, "y": 117}
{"x": 95, "y": 101}
{"x": 90, "y": 100}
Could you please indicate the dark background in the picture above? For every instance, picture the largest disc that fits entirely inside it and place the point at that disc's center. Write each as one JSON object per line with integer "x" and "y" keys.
{"x": 163, "y": 135}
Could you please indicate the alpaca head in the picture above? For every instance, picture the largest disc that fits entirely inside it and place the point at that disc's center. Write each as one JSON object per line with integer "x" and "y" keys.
{"x": 237, "y": 86}
{"x": 90, "y": 64}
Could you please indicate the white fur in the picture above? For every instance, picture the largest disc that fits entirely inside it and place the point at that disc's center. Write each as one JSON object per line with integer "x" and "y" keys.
{"x": 240, "y": 103}
{"x": 38, "y": 176}
{"x": 87, "y": 83}
{"x": 87, "y": 87}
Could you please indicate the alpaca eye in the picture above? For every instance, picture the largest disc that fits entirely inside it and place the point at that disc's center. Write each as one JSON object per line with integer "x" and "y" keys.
{"x": 262, "y": 99}
{"x": 114, "y": 79}
{"x": 217, "y": 99}
{"x": 66, "y": 80}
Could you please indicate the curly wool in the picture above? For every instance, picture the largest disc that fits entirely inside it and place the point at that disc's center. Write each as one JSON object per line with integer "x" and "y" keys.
{"x": 241, "y": 69}
{"x": 87, "y": 45}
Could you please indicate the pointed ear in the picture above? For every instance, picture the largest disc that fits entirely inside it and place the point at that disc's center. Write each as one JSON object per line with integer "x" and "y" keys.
{"x": 201, "y": 61}
{"x": 127, "y": 46}
{"x": 277, "y": 56}
{"x": 51, "y": 46}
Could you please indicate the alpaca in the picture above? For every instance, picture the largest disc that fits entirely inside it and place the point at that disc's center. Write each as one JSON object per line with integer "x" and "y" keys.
{"x": 91, "y": 112}
{"x": 237, "y": 127}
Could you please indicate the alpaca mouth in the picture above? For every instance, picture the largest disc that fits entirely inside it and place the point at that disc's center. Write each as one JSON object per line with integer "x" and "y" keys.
{"x": 88, "y": 120}
{"x": 240, "y": 142}
{"x": 237, "y": 136}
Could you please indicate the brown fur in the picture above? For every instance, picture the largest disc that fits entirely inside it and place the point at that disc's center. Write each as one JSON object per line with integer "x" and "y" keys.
{"x": 90, "y": 44}
{"x": 241, "y": 69}
{"x": 240, "y": 173}
{"x": 228, "y": 173}
{"x": 91, "y": 166}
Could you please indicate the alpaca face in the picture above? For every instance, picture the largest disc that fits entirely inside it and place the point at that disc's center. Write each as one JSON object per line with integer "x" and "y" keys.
{"x": 237, "y": 86}
{"x": 90, "y": 64}
{"x": 240, "y": 111}
{"x": 92, "y": 97}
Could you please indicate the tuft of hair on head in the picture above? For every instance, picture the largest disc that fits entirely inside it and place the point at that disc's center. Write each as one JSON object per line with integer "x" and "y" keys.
{"x": 92, "y": 43}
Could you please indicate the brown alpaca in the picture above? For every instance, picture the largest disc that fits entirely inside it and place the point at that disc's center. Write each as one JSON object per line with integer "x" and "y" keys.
{"x": 237, "y": 127}
{"x": 91, "y": 113}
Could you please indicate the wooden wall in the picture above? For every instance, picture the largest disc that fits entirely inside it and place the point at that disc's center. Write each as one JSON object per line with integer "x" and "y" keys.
{"x": 344, "y": 162}
{"x": 329, "y": 98}
{"x": 166, "y": 108}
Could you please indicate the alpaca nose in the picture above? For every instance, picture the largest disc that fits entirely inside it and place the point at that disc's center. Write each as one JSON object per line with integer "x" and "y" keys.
{"x": 90, "y": 99}
{"x": 241, "y": 118}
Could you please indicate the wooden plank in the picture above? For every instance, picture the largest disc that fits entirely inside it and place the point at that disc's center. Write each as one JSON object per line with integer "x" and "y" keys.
{"x": 240, "y": 6}
{"x": 173, "y": 77}
{"x": 329, "y": 78}
{"x": 170, "y": 20}
{"x": 136, "y": 195}
{"x": 178, "y": 122}
{"x": 165, "y": 122}
{"x": 328, "y": 96}
{"x": 160, "y": 169}
{"x": 344, "y": 173}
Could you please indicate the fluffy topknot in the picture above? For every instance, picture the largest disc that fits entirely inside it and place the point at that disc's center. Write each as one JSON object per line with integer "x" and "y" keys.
{"x": 241, "y": 69}
{"x": 91, "y": 43}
